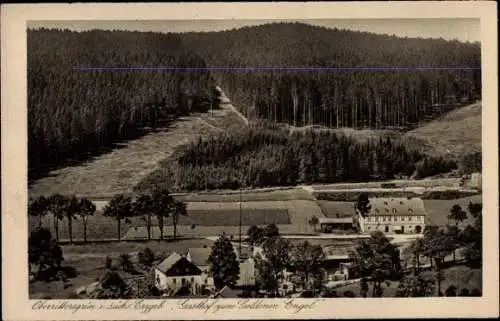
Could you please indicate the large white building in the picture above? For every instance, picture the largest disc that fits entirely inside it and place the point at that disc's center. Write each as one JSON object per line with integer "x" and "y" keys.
{"x": 393, "y": 215}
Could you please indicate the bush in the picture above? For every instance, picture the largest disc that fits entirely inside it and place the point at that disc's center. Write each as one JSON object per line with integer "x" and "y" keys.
{"x": 108, "y": 263}
{"x": 146, "y": 257}
{"x": 126, "y": 262}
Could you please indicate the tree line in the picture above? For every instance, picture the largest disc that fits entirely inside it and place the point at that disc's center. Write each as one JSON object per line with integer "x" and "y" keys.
{"x": 261, "y": 155}
{"x": 366, "y": 98}
{"x": 74, "y": 112}
{"x": 157, "y": 203}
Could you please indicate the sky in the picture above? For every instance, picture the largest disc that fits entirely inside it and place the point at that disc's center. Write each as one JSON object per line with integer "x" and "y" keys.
{"x": 449, "y": 29}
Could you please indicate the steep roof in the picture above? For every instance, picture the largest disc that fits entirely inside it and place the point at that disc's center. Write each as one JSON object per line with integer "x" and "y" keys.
{"x": 396, "y": 206}
{"x": 198, "y": 256}
{"x": 166, "y": 264}
{"x": 227, "y": 292}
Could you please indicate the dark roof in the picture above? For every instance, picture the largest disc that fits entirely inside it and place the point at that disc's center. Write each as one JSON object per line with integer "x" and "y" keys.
{"x": 396, "y": 206}
{"x": 227, "y": 292}
{"x": 199, "y": 255}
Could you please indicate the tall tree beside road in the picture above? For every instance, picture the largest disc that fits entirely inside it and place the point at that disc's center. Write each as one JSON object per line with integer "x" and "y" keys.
{"x": 224, "y": 265}
{"x": 38, "y": 207}
{"x": 58, "y": 206}
{"x": 162, "y": 204}
{"x": 144, "y": 205}
{"x": 120, "y": 207}
{"x": 86, "y": 209}
{"x": 177, "y": 208}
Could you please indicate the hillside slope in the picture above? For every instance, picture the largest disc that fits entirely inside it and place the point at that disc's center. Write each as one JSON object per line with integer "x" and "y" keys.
{"x": 455, "y": 134}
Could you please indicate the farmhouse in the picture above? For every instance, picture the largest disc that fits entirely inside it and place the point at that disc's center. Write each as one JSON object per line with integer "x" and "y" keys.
{"x": 328, "y": 225}
{"x": 189, "y": 272}
{"x": 393, "y": 215}
{"x": 178, "y": 274}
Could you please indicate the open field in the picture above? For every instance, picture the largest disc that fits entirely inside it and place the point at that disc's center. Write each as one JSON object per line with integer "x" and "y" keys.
{"x": 455, "y": 134}
{"x": 438, "y": 210}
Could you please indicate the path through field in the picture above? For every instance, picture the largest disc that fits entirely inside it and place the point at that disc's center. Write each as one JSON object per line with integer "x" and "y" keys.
{"x": 120, "y": 170}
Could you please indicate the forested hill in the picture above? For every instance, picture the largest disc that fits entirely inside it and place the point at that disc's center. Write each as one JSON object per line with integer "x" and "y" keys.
{"x": 340, "y": 98}
{"x": 73, "y": 112}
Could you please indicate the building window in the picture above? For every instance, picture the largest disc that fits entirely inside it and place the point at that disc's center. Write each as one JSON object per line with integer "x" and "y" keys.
{"x": 183, "y": 281}
{"x": 409, "y": 218}
{"x": 394, "y": 210}
{"x": 386, "y": 210}
{"x": 369, "y": 228}
{"x": 206, "y": 281}
{"x": 175, "y": 280}
{"x": 395, "y": 219}
{"x": 402, "y": 219}
{"x": 192, "y": 279}
{"x": 389, "y": 219}
{"x": 384, "y": 219}
{"x": 377, "y": 210}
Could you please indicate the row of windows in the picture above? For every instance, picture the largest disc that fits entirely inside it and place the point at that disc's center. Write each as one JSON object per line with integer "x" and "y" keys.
{"x": 395, "y": 219}
{"x": 394, "y": 210}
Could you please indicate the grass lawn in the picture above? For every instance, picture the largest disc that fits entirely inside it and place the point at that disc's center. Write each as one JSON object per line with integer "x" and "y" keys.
{"x": 438, "y": 210}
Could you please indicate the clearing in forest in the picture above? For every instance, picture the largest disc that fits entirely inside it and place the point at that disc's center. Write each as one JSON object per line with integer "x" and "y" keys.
{"x": 455, "y": 134}
{"x": 121, "y": 169}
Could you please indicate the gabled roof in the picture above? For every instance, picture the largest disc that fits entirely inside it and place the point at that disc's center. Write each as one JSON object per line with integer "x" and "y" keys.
{"x": 227, "y": 292}
{"x": 198, "y": 256}
{"x": 167, "y": 264}
{"x": 396, "y": 206}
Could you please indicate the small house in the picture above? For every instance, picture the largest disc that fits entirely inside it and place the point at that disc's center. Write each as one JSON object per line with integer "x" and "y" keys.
{"x": 187, "y": 272}
{"x": 328, "y": 225}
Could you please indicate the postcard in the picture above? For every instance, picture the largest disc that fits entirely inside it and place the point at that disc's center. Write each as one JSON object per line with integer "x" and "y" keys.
{"x": 190, "y": 161}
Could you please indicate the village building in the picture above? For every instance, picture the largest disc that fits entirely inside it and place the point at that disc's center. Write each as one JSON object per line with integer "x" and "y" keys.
{"x": 187, "y": 272}
{"x": 178, "y": 273}
{"x": 336, "y": 224}
{"x": 393, "y": 215}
